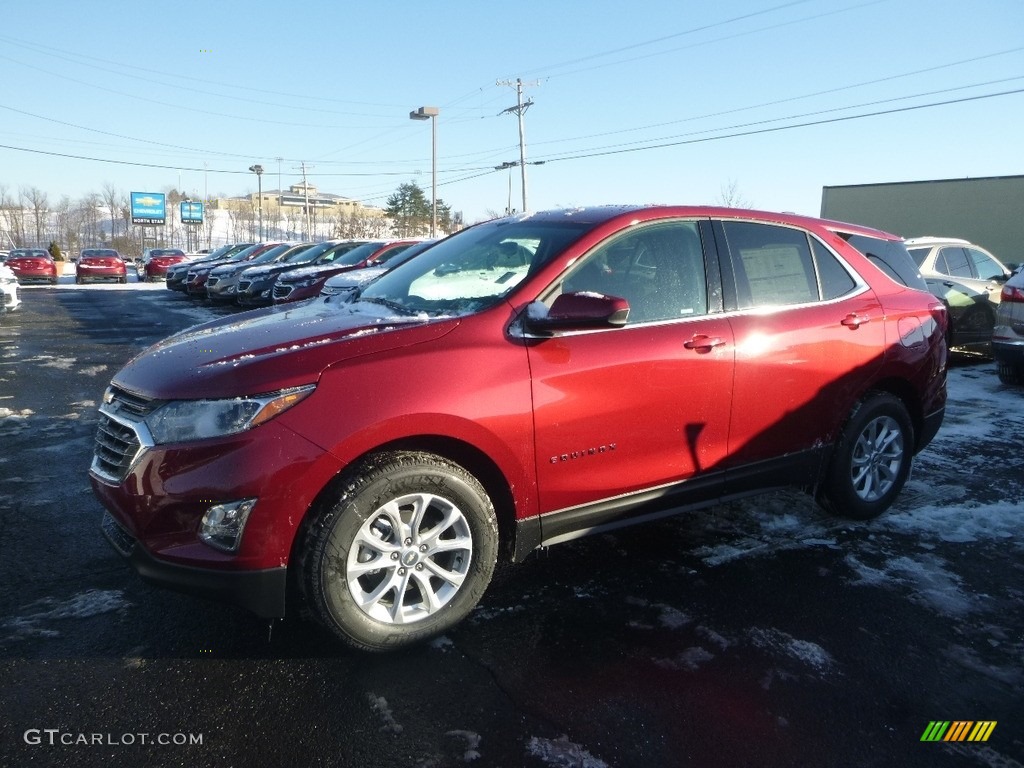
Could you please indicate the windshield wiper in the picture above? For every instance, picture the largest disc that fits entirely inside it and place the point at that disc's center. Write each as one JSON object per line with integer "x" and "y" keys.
{"x": 389, "y": 303}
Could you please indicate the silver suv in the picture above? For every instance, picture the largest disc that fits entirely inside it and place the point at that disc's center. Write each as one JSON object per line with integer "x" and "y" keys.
{"x": 1008, "y": 334}
{"x": 967, "y": 278}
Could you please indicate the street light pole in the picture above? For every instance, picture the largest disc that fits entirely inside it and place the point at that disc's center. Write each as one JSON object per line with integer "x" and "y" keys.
{"x": 258, "y": 170}
{"x": 430, "y": 113}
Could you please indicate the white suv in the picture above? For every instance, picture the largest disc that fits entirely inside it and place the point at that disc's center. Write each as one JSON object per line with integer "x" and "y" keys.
{"x": 8, "y": 289}
{"x": 967, "y": 278}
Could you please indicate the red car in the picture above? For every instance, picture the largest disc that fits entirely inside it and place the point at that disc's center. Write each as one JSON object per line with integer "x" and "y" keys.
{"x": 100, "y": 264}
{"x": 523, "y": 382}
{"x": 32, "y": 264}
{"x": 306, "y": 282}
{"x": 156, "y": 262}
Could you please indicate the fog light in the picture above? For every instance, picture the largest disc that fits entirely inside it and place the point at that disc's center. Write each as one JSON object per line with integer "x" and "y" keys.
{"x": 223, "y": 524}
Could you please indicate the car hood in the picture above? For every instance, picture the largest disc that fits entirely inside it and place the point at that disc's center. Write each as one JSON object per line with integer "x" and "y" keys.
{"x": 255, "y": 273}
{"x": 355, "y": 278}
{"x": 295, "y": 275}
{"x": 271, "y": 349}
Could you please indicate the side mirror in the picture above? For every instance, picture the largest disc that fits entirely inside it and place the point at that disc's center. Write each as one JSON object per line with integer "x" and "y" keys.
{"x": 577, "y": 312}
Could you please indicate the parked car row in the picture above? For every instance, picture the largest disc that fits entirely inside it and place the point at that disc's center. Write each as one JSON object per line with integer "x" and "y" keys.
{"x": 261, "y": 274}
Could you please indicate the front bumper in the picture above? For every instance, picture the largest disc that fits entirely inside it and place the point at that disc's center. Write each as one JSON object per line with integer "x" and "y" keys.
{"x": 156, "y": 504}
{"x": 261, "y": 591}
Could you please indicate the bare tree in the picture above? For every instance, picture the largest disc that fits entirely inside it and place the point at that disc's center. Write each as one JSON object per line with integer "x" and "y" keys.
{"x": 38, "y": 202}
{"x": 89, "y": 209}
{"x": 111, "y": 197}
{"x": 11, "y": 218}
{"x": 63, "y": 224}
{"x": 731, "y": 197}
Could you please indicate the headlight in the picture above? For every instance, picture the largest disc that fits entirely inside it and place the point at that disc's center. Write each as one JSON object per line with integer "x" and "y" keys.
{"x": 184, "y": 420}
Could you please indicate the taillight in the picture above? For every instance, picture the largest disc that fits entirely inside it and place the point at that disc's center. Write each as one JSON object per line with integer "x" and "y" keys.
{"x": 1012, "y": 293}
{"x": 940, "y": 315}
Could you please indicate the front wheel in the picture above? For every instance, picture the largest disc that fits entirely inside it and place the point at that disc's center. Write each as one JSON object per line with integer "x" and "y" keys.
{"x": 403, "y": 553}
{"x": 871, "y": 460}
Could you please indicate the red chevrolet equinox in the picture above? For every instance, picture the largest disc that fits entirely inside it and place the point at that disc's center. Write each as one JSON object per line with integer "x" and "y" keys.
{"x": 524, "y": 382}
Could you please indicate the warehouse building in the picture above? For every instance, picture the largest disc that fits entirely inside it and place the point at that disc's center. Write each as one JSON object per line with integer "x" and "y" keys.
{"x": 988, "y": 211}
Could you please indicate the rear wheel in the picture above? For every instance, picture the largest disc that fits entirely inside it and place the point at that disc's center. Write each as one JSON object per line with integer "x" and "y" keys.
{"x": 403, "y": 553}
{"x": 871, "y": 460}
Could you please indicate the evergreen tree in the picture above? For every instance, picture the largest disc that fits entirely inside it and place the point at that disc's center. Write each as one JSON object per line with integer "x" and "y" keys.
{"x": 410, "y": 210}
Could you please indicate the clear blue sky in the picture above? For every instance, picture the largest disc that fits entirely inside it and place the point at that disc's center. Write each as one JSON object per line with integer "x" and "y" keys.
{"x": 112, "y": 88}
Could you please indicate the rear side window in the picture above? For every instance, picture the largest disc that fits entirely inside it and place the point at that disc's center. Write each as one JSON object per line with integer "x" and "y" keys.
{"x": 773, "y": 264}
{"x": 782, "y": 266}
{"x": 892, "y": 257}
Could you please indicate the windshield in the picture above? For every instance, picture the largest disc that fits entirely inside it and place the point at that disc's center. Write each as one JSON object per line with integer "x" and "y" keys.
{"x": 300, "y": 254}
{"x": 271, "y": 254}
{"x": 332, "y": 253}
{"x": 355, "y": 255}
{"x": 473, "y": 269}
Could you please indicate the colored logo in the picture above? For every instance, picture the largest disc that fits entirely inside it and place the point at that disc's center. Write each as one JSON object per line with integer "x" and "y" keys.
{"x": 958, "y": 730}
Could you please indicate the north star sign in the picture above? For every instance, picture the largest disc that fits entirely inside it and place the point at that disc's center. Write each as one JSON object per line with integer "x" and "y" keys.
{"x": 191, "y": 213}
{"x": 148, "y": 208}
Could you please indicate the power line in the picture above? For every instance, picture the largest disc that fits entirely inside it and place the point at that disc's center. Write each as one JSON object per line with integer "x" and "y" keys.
{"x": 576, "y": 156}
{"x": 779, "y": 128}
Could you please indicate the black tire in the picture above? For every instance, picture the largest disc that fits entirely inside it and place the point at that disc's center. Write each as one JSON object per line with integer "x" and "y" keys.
{"x": 1009, "y": 373}
{"x": 455, "y": 534}
{"x": 871, "y": 459}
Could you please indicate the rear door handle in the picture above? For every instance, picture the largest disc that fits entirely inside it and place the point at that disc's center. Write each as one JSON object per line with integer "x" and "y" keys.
{"x": 703, "y": 343}
{"x": 855, "y": 321}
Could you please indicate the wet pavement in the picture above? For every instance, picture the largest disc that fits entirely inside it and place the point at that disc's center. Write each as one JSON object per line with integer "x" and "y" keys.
{"x": 754, "y": 633}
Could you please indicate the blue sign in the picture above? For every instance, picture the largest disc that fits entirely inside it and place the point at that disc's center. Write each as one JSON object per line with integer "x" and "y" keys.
{"x": 191, "y": 213}
{"x": 148, "y": 208}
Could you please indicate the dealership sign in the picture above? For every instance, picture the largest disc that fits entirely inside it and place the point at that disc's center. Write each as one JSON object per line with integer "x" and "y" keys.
{"x": 191, "y": 213}
{"x": 148, "y": 208}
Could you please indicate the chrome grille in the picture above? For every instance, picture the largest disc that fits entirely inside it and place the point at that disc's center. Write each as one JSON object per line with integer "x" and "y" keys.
{"x": 243, "y": 285}
{"x": 118, "y": 434}
{"x": 281, "y": 291}
{"x": 136, "y": 405}
{"x": 117, "y": 445}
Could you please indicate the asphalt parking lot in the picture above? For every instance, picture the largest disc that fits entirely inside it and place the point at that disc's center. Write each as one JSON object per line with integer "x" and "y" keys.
{"x": 754, "y": 633}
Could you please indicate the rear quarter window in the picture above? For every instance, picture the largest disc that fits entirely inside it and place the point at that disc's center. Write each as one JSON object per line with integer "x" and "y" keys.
{"x": 892, "y": 257}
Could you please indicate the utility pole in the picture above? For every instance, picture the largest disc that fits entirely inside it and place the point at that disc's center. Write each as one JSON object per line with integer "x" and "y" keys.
{"x": 280, "y": 196}
{"x": 305, "y": 192}
{"x": 520, "y": 109}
